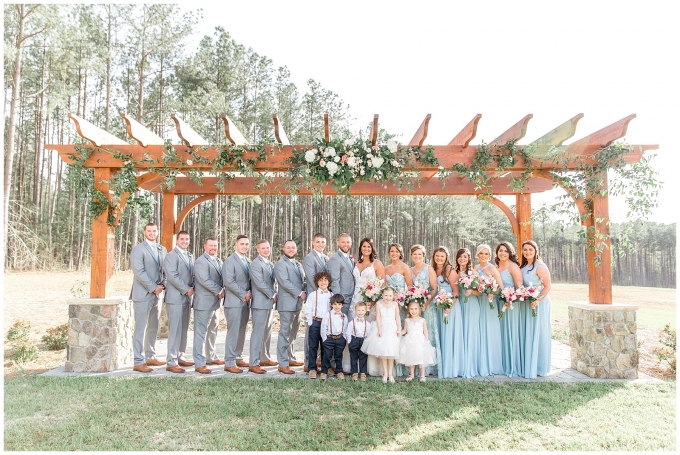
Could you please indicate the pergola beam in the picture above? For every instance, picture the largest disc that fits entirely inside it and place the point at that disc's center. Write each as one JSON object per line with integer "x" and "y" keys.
{"x": 94, "y": 134}
{"x": 556, "y": 137}
{"x": 232, "y": 132}
{"x": 421, "y": 134}
{"x": 140, "y": 133}
{"x": 468, "y": 133}
{"x": 603, "y": 137}
{"x": 186, "y": 133}
{"x": 374, "y": 130}
{"x": 515, "y": 132}
{"x": 281, "y": 136}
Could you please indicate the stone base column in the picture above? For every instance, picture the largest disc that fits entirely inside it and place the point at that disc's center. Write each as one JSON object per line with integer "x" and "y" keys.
{"x": 99, "y": 334}
{"x": 603, "y": 339}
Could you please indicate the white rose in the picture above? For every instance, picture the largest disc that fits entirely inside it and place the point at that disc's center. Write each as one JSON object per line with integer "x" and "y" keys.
{"x": 330, "y": 151}
{"x": 332, "y": 168}
{"x": 369, "y": 156}
{"x": 348, "y": 142}
{"x": 377, "y": 161}
{"x": 336, "y": 159}
{"x": 362, "y": 172}
{"x": 189, "y": 162}
{"x": 310, "y": 155}
{"x": 370, "y": 163}
{"x": 392, "y": 146}
{"x": 351, "y": 161}
{"x": 395, "y": 163}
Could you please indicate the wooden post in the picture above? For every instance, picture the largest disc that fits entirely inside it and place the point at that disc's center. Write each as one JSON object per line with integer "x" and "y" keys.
{"x": 600, "y": 277}
{"x": 103, "y": 237}
{"x": 169, "y": 214}
{"x": 523, "y": 209}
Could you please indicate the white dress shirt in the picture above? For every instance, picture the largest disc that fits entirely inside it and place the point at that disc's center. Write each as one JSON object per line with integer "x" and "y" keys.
{"x": 337, "y": 322}
{"x": 316, "y": 309}
{"x": 360, "y": 327}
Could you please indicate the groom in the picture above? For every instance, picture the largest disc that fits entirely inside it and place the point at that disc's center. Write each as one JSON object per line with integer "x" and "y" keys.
{"x": 340, "y": 267}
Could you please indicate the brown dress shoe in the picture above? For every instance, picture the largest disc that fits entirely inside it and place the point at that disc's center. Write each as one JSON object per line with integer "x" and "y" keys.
{"x": 269, "y": 363}
{"x": 233, "y": 369}
{"x": 155, "y": 362}
{"x": 286, "y": 370}
{"x": 185, "y": 363}
{"x": 203, "y": 370}
{"x": 295, "y": 363}
{"x": 306, "y": 369}
{"x": 215, "y": 362}
{"x": 257, "y": 369}
{"x": 142, "y": 368}
{"x": 175, "y": 369}
{"x": 318, "y": 363}
{"x": 241, "y": 363}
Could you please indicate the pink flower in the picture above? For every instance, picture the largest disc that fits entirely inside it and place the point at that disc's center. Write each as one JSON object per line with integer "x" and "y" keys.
{"x": 322, "y": 163}
{"x": 376, "y": 147}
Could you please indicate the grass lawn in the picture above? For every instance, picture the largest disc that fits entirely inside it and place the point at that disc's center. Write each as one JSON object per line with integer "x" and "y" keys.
{"x": 295, "y": 414}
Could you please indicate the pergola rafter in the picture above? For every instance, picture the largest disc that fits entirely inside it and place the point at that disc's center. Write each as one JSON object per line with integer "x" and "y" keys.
{"x": 458, "y": 150}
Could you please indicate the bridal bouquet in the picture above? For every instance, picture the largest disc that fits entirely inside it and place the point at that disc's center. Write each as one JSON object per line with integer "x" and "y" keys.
{"x": 371, "y": 292}
{"x": 489, "y": 287}
{"x": 508, "y": 295}
{"x": 530, "y": 294}
{"x": 445, "y": 301}
{"x": 417, "y": 293}
{"x": 470, "y": 281}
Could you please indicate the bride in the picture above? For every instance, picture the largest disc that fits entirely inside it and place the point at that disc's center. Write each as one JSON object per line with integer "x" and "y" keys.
{"x": 367, "y": 268}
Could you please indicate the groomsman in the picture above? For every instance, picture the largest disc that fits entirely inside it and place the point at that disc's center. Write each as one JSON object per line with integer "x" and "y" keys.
{"x": 291, "y": 280}
{"x": 236, "y": 274}
{"x": 340, "y": 266}
{"x": 179, "y": 272}
{"x": 263, "y": 286}
{"x": 146, "y": 261}
{"x": 208, "y": 293}
{"x": 313, "y": 263}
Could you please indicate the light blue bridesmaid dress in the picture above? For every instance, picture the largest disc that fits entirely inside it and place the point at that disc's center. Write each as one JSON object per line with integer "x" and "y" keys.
{"x": 451, "y": 339}
{"x": 490, "y": 361}
{"x": 398, "y": 282}
{"x": 470, "y": 312}
{"x": 538, "y": 330}
{"x": 430, "y": 316}
{"x": 512, "y": 328}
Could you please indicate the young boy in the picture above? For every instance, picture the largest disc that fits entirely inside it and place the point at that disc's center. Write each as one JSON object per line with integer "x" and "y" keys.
{"x": 354, "y": 334}
{"x": 316, "y": 306}
{"x": 333, "y": 328}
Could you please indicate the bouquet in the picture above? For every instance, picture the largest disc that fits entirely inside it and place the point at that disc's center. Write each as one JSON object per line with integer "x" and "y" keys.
{"x": 401, "y": 298}
{"x": 470, "y": 281}
{"x": 530, "y": 294}
{"x": 371, "y": 292}
{"x": 417, "y": 293}
{"x": 490, "y": 288}
{"x": 445, "y": 301}
{"x": 508, "y": 295}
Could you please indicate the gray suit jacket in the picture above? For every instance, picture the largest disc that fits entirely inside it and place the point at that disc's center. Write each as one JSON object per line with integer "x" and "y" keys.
{"x": 291, "y": 285}
{"x": 207, "y": 284}
{"x": 342, "y": 278}
{"x": 263, "y": 284}
{"x": 180, "y": 277}
{"x": 236, "y": 282}
{"x": 148, "y": 271}
{"x": 312, "y": 264}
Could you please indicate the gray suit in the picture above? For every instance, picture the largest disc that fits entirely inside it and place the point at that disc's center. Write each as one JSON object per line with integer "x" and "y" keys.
{"x": 146, "y": 264}
{"x": 179, "y": 271}
{"x": 342, "y": 279}
{"x": 313, "y": 264}
{"x": 207, "y": 287}
{"x": 236, "y": 285}
{"x": 263, "y": 285}
{"x": 291, "y": 282}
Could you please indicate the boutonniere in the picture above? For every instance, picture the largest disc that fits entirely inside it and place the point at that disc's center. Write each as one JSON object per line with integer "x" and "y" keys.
{"x": 189, "y": 255}
{"x": 351, "y": 257}
{"x": 160, "y": 247}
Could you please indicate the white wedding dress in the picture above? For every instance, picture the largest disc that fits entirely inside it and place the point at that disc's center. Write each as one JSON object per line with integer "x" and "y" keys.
{"x": 360, "y": 279}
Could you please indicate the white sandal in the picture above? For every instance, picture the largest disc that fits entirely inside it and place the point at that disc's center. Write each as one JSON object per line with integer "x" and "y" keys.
{"x": 422, "y": 379}
{"x": 410, "y": 378}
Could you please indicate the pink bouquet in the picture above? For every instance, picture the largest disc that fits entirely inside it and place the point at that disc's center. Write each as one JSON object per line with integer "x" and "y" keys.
{"x": 470, "y": 281}
{"x": 508, "y": 295}
{"x": 490, "y": 288}
{"x": 400, "y": 298}
{"x": 372, "y": 290}
{"x": 530, "y": 294}
{"x": 445, "y": 301}
{"x": 417, "y": 293}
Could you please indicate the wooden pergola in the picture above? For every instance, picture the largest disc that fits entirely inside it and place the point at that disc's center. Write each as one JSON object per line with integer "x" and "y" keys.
{"x": 458, "y": 150}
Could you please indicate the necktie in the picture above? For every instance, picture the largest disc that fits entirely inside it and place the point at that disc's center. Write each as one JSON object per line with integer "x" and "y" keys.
{"x": 245, "y": 265}
{"x": 297, "y": 268}
{"x": 349, "y": 261}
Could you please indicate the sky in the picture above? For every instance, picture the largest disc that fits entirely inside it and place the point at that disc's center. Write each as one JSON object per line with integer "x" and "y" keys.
{"x": 502, "y": 59}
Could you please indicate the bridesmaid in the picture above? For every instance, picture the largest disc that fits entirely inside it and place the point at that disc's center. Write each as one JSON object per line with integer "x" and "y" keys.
{"x": 424, "y": 275}
{"x": 537, "y": 345}
{"x": 470, "y": 313}
{"x": 490, "y": 353}
{"x": 397, "y": 275}
{"x": 512, "y": 323}
{"x": 451, "y": 340}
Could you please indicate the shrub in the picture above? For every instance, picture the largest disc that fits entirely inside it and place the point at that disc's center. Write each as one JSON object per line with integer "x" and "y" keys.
{"x": 667, "y": 353}
{"x": 20, "y": 330}
{"x": 56, "y": 337}
{"x": 24, "y": 351}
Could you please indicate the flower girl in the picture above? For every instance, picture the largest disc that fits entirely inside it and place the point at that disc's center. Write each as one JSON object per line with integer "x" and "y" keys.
{"x": 415, "y": 349}
{"x": 383, "y": 339}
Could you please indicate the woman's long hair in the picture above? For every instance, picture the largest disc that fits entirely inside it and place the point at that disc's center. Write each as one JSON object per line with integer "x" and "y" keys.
{"x": 459, "y": 253}
{"x": 536, "y": 258}
{"x": 511, "y": 252}
{"x": 447, "y": 263}
{"x": 373, "y": 256}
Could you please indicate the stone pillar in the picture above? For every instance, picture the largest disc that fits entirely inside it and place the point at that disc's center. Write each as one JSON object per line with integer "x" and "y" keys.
{"x": 603, "y": 339}
{"x": 99, "y": 335}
